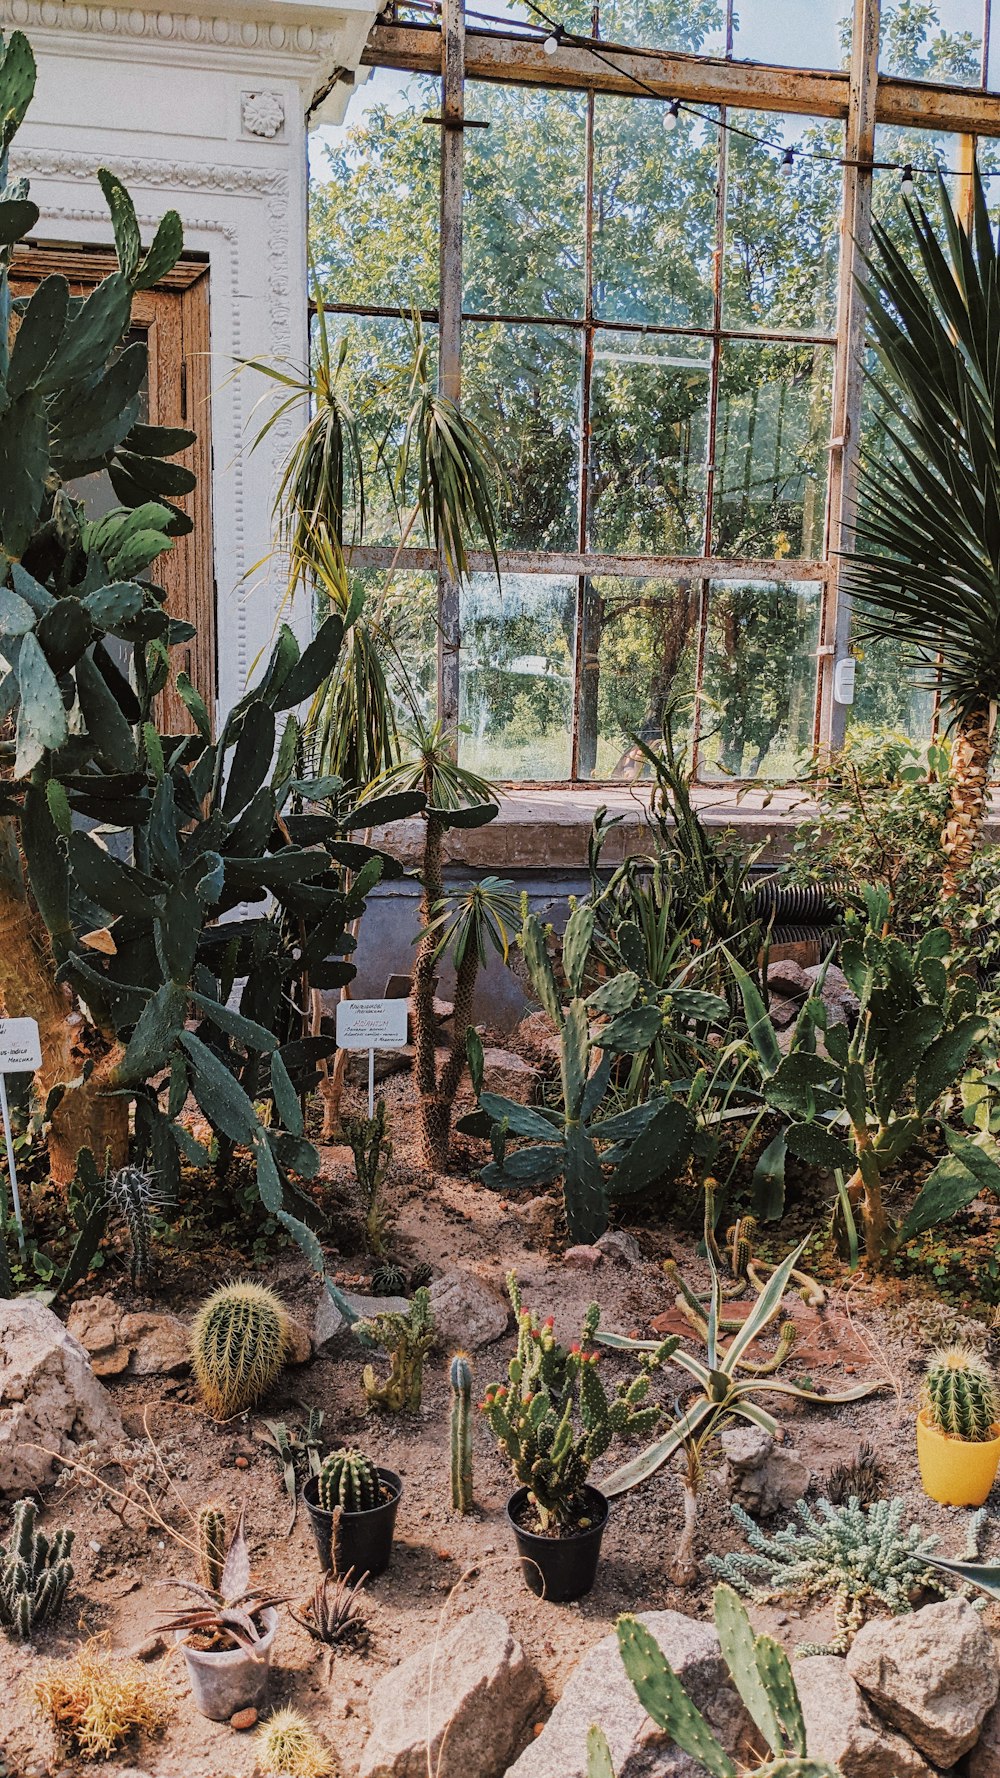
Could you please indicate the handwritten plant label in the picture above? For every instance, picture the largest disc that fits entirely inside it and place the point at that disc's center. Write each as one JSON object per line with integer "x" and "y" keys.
{"x": 20, "y": 1050}
{"x": 372, "y": 1024}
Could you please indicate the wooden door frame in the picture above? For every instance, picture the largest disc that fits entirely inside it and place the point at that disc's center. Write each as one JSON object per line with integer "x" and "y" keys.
{"x": 174, "y": 316}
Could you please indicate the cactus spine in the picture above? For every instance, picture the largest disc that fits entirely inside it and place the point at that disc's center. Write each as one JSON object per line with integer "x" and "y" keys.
{"x": 238, "y": 1345}
{"x": 290, "y": 1748}
{"x": 35, "y": 1573}
{"x": 761, "y": 1674}
{"x": 461, "y": 1433}
{"x": 211, "y": 1546}
{"x": 350, "y": 1480}
{"x": 960, "y": 1396}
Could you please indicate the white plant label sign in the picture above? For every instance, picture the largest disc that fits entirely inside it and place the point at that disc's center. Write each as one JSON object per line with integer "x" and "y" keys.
{"x": 20, "y": 1053}
{"x": 372, "y": 1025}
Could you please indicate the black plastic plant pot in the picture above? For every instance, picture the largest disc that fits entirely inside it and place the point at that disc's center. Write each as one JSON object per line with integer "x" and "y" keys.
{"x": 560, "y": 1568}
{"x": 364, "y": 1540}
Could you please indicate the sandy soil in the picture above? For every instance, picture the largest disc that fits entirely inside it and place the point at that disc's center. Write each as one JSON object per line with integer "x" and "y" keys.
{"x": 443, "y": 1564}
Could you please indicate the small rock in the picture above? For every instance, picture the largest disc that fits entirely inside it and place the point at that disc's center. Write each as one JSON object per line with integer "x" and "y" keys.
{"x": 460, "y": 1707}
{"x": 619, "y": 1246}
{"x": 243, "y": 1719}
{"x": 143, "y": 1344}
{"x": 468, "y": 1312}
{"x": 509, "y": 1075}
{"x": 783, "y": 1013}
{"x": 241, "y": 1463}
{"x": 300, "y": 1346}
{"x": 599, "y": 1690}
{"x": 49, "y": 1396}
{"x": 932, "y": 1674}
{"x": 583, "y": 1259}
{"x": 842, "y": 1728}
{"x": 330, "y": 1325}
{"x": 788, "y": 980}
{"x": 537, "y": 1036}
{"x": 150, "y": 1649}
{"x": 762, "y": 1476}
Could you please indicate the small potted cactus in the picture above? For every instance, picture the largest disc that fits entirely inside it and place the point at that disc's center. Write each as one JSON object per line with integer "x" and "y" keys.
{"x": 352, "y": 1505}
{"x": 958, "y": 1436}
{"x": 552, "y": 1419}
{"x": 227, "y": 1635}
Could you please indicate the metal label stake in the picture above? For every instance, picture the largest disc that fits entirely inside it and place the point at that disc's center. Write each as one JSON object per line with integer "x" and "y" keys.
{"x": 20, "y": 1053}
{"x": 372, "y": 1025}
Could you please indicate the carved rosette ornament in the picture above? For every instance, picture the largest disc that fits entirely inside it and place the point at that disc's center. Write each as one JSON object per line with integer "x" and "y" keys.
{"x": 263, "y": 114}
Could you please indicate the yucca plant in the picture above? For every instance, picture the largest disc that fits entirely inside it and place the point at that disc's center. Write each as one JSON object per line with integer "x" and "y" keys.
{"x": 926, "y": 563}
{"x": 729, "y": 1382}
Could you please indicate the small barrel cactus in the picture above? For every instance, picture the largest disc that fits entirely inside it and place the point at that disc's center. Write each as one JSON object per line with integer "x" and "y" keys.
{"x": 350, "y": 1480}
{"x": 388, "y": 1280}
{"x": 238, "y": 1345}
{"x": 421, "y": 1275}
{"x": 960, "y": 1395}
{"x": 290, "y": 1748}
{"x": 460, "y": 1376}
{"x": 212, "y": 1545}
{"x": 35, "y": 1573}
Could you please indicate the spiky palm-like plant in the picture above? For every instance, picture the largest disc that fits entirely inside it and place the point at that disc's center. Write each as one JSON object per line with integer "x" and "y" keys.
{"x": 926, "y": 564}
{"x": 466, "y": 927}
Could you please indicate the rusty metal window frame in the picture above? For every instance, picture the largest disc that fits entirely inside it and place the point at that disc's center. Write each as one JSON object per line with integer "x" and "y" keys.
{"x": 861, "y": 97}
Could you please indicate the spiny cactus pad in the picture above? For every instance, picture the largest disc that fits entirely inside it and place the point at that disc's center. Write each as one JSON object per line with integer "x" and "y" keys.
{"x": 238, "y": 1345}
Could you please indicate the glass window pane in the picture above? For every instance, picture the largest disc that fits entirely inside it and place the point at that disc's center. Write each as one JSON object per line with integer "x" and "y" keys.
{"x": 771, "y": 449}
{"x": 521, "y": 385}
{"x": 925, "y": 150}
{"x": 888, "y": 695}
{"x": 640, "y": 642}
{"x": 516, "y": 676}
{"x": 943, "y": 41}
{"x": 795, "y": 34}
{"x": 696, "y": 26}
{"x": 649, "y": 427}
{"x": 759, "y": 686}
{"x": 374, "y": 196}
{"x": 782, "y": 230}
{"x": 376, "y": 380}
{"x": 401, "y": 616}
{"x": 524, "y": 202}
{"x": 654, "y": 214}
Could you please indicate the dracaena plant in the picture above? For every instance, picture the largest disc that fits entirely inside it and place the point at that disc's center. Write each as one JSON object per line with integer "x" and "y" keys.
{"x": 860, "y": 1106}
{"x": 119, "y": 947}
{"x": 729, "y": 1380}
{"x": 600, "y": 1159}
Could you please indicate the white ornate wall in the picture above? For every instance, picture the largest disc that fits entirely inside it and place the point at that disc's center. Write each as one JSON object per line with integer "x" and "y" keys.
{"x": 205, "y": 112}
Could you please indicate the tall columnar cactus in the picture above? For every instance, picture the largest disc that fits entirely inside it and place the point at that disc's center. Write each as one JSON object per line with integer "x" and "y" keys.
{"x": 960, "y": 1395}
{"x": 372, "y": 1151}
{"x": 407, "y": 1339}
{"x": 640, "y": 1147}
{"x": 350, "y": 1480}
{"x": 212, "y": 1546}
{"x": 460, "y": 1377}
{"x": 238, "y": 1345}
{"x": 130, "y": 1198}
{"x": 35, "y": 1573}
{"x": 762, "y": 1675}
{"x": 549, "y": 1388}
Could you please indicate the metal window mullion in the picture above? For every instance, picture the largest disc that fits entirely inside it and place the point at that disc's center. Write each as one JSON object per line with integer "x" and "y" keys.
{"x": 580, "y": 648}
{"x": 713, "y": 417}
{"x": 450, "y": 327}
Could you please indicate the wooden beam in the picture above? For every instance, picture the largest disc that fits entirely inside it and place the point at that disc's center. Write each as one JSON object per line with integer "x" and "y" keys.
{"x": 849, "y": 374}
{"x": 417, "y": 559}
{"x": 808, "y": 92}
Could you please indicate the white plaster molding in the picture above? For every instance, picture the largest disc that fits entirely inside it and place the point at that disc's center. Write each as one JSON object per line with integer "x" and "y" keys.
{"x": 142, "y": 170}
{"x": 262, "y": 114}
{"x": 294, "y": 37}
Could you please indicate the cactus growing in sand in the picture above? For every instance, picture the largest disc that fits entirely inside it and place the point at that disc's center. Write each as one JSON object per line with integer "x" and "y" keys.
{"x": 407, "y": 1339}
{"x": 289, "y": 1748}
{"x": 960, "y": 1396}
{"x": 211, "y": 1546}
{"x": 460, "y": 1376}
{"x": 350, "y": 1480}
{"x": 35, "y": 1573}
{"x": 238, "y": 1345}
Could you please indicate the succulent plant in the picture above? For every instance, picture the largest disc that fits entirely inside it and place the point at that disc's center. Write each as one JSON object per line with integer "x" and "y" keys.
{"x": 350, "y": 1480}
{"x": 421, "y": 1275}
{"x": 333, "y": 1613}
{"x": 407, "y": 1339}
{"x": 388, "y": 1280}
{"x": 460, "y": 1377}
{"x": 372, "y": 1153}
{"x": 863, "y": 1478}
{"x": 35, "y": 1573}
{"x": 238, "y": 1344}
{"x": 131, "y": 1194}
{"x": 211, "y": 1546}
{"x": 960, "y": 1396}
{"x": 290, "y": 1748}
{"x": 232, "y": 1610}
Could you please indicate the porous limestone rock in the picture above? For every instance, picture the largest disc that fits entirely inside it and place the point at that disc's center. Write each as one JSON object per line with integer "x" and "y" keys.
{"x": 49, "y": 1396}
{"x": 933, "y": 1674}
{"x": 843, "y": 1729}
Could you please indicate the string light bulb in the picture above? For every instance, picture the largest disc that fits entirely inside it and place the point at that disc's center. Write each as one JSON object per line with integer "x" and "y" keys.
{"x": 906, "y": 182}
{"x": 553, "y": 41}
{"x": 671, "y": 117}
{"x": 787, "y": 163}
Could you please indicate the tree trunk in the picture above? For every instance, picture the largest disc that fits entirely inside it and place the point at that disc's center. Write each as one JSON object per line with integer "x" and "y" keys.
{"x": 433, "y": 1119}
{"x": 465, "y": 983}
{"x": 972, "y": 751}
{"x": 433, "y": 1131}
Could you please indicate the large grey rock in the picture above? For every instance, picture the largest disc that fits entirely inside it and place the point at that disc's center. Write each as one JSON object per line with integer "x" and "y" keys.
{"x": 761, "y": 1476}
{"x": 932, "y": 1674}
{"x": 509, "y": 1075}
{"x": 984, "y": 1759}
{"x": 460, "y": 1708}
{"x": 842, "y": 1728}
{"x": 600, "y": 1691}
{"x": 49, "y": 1396}
{"x": 468, "y": 1312}
{"x": 788, "y": 979}
{"x": 331, "y": 1327}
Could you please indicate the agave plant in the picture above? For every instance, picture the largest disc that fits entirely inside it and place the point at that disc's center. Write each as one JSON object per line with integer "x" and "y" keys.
{"x": 926, "y": 566}
{"x": 232, "y": 1610}
{"x": 729, "y": 1381}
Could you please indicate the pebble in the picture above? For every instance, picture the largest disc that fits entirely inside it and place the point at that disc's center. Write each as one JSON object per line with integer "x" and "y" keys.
{"x": 243, "y": 1719}
{"x": 242, "y": 1463}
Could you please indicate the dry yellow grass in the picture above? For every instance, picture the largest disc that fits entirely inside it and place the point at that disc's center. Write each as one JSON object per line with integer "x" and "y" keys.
{"x": 96, "y": 1701}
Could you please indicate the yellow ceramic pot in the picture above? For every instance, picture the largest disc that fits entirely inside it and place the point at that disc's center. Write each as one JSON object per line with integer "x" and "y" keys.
{"x": 955, "y": 1471}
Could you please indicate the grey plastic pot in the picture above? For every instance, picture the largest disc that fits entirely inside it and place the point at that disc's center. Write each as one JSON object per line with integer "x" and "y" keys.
{"x": 229, "y": 1679}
